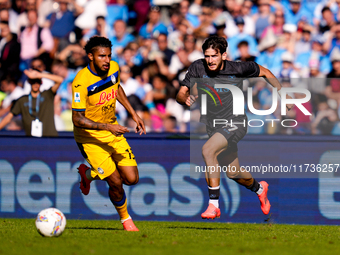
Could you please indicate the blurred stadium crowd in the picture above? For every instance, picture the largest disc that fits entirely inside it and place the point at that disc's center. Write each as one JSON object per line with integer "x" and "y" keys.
{"x": 155, "y": 42}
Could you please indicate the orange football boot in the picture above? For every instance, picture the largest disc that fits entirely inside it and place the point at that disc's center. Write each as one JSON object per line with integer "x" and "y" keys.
{"x": 265, "y": 205}
{"x": 129, "y": 225}
{"x": 211, "y": 213}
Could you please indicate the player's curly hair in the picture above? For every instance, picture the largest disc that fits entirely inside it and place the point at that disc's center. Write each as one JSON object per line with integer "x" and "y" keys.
{"x": 97, "y": 41}
{"x": 215, "y": 42}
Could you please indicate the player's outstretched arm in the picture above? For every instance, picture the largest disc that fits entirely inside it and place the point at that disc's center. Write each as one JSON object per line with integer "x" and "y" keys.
{"x": 140, "y": 128}
{"x": 270, "y": 77}
{"x": 33, "y": 74}
{"x": 79, "y": 120}
{"x": 272, "y": 80}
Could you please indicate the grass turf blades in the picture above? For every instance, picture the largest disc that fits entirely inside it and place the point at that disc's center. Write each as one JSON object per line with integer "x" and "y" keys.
{"x": 19, "y": 236}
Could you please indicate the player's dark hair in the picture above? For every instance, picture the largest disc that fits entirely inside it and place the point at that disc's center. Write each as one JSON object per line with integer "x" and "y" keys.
{"x": 217, "y": 43}
{"x": 163, "y": 78}
{"x": 97, "y": 41}
{"x": 242, "y": 43}
{"x": 5, "y": 22}
{"x": 126, "y": 48}
{"x": 36, "y": 58}
{"x": 163, "y": 34}
{"x": 321, "y": 98}
{"x": 324, "y": 9}
{"x": 58, "y": 62}
{"x": 207, "y": 4}
{"x": 187, "y": 36}
{"x": 175, "y": 10}
{"x": 100, "y": 17}
{"x": 34, "y": 81}
{"x": 9, "y": 79}
{"x": 173, "y": 119}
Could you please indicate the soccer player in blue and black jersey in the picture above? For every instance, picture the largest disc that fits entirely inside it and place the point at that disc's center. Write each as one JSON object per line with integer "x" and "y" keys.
{"x": 221, "y": 147}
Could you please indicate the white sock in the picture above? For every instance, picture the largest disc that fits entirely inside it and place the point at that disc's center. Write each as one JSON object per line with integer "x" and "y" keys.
{"x": 212, "y": 188}
{"x": 259, "y": 192}
{"x": 88, "y": 175}
{"x": 214, "y": 202}
{"x": 129, "y": 218}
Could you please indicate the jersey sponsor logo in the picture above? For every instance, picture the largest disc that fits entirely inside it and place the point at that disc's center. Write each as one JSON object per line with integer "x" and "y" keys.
{"x": 105, "y": 97}
{"x": 108, "y": 108}
{"x": 206, "y": 88}
{"x": 77, "y": 86}
{"x": 76, "y": 97}
{"x": 219, "y": 90}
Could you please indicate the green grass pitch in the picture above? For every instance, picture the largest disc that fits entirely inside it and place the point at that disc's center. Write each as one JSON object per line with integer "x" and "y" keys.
{"x": 84, "y": 237}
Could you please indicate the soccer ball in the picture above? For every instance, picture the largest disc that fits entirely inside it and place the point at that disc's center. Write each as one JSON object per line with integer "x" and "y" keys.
{"x": 50, "y": 222}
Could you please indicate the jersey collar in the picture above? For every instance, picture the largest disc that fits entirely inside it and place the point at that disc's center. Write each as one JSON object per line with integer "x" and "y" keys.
{"x": 88, "y": 67}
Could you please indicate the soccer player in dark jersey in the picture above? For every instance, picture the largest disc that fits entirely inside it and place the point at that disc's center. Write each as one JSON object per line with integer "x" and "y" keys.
{"x": 95, "y": 91}
{"x": 221, "y": 147}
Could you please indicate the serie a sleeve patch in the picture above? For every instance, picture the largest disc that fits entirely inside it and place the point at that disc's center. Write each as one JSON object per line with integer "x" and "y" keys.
{"x": 76, "y": 97}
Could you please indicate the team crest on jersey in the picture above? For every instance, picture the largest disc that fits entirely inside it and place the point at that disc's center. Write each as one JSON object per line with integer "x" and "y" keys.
{"x": 100, "y": 170}
{"x": 76, "y": 97}
{"x": 113, "y": 79}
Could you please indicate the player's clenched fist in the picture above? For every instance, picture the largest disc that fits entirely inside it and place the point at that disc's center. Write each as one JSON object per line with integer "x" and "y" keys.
{"x": 191, "y": 100}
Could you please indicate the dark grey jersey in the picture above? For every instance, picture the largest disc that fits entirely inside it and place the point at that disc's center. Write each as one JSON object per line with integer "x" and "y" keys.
{"x": 219, "y": 100}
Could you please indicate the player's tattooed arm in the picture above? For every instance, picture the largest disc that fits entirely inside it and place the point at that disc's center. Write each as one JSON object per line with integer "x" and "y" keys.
{"x": 79, "y": 120}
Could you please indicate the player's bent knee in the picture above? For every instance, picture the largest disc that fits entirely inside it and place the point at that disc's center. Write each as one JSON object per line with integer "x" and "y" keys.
{"x": 136, "y": 179}
{"x": 133, "y": 180}
{"x": 232, "y": 175}
{"x": 208, "y": 152}
{"x": 129, "y": 174}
